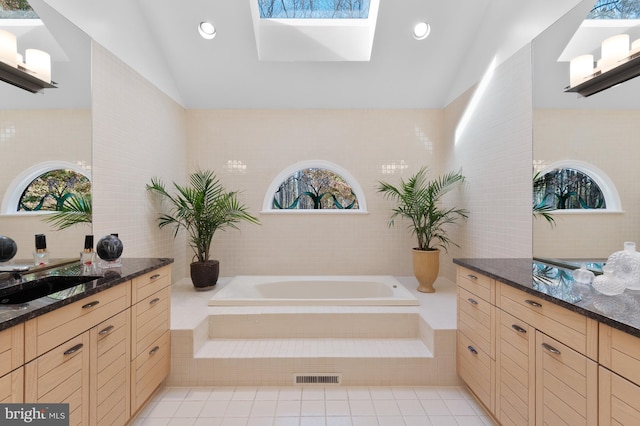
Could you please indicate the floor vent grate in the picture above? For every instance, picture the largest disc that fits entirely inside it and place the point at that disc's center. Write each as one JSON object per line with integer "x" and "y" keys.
{"x": 317, "y": 379}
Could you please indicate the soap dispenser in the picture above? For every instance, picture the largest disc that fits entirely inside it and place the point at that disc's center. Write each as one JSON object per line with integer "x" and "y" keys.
{"x": 41, "y": 255}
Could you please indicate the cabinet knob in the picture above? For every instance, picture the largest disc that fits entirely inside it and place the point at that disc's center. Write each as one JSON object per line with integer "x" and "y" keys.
{"x": 154, "y": 277}
{"x": 106, "y": 330}
{"x": 472, "y": 301}
{"x": 154, "y": 301}
{"x": 90, "y": 304}
{"x": 551, "y": 349}
{"x": 74, "y": 349}
{"x": 518, "y": 329}
{"x": 154, "y": 350}
{"x": 472, "y": 350}
{"x": 473, "y": 277}
{"x": 533, "y": 303}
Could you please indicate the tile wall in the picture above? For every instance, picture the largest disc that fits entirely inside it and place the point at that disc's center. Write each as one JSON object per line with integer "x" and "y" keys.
{"x": 138, "y": 133}
{"x": 494, "y": 152}
{"x": 363, "y": 142}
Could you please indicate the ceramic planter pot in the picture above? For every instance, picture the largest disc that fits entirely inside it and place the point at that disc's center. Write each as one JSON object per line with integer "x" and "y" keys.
{"x": 426, "y": 264}
{"x": 204, "y": 275}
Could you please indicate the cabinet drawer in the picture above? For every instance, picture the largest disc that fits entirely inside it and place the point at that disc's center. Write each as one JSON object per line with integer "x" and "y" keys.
{"x": 618, "y": 400}
{"x": 47, "y": 331}
{"x": 476, "y": 318}
{"x": 11, "y": 348}
{"x": 111, "y": 374}
{"x": 620, "y": 352}
{"x": 62, "y": 375}
{"x": 147, "y": 284}
{"x": 478, "y": 284}
{"x": 515, "y": 371}
{"x": 150, "y": 319}
{"x": 571, "y": 328}
{"x": 12, "y": 387}
{"x": 566, "y": 384}
{"x": 477, "y": 369}
{"x": 149, "y": 369}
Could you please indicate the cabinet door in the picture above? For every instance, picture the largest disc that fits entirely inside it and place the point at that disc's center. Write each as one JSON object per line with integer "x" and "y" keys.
{"x": 11, "y": 348}
{"x": 566, "y": 385}
{"x": 515, "y": 371}
{"x": 477, "y": 369}
{"x": 149, "y": 369}
{"x": 618, "y": 400}
{"x": 150, "y": 319}
{"x": 11, "y": 387}
{"x": 110, "y": 371}
{"x": 62, "y": 376}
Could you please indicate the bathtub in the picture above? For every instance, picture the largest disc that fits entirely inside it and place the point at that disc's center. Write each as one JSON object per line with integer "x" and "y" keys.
{"x": 365, "y": 290}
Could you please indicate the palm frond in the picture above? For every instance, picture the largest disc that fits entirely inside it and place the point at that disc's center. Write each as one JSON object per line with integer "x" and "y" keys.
{"x": 76, "y": 209}
{"x": 201, "y": 208}
{"x": 418, "y": 200}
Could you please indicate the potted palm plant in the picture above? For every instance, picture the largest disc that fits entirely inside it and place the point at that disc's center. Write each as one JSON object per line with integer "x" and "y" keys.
{"x": 201, "y": 208}
{"x": 419, "y": 201}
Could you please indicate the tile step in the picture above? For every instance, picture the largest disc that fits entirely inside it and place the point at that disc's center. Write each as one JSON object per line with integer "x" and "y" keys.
{"x": 313, "y": 348}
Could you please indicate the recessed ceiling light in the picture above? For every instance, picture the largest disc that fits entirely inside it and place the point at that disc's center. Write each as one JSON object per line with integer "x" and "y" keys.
{"x": 421, "y": 31}
{"x": 207, "y": 30}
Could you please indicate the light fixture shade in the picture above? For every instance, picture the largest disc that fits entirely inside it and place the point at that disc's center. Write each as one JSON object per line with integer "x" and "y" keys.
{"x": 614, "y": 50}
{"x": 635, "y": 47}
{"x": 8, "y": 48}
{"x": 580, "y": 68}
{"x": 39, "y": 62}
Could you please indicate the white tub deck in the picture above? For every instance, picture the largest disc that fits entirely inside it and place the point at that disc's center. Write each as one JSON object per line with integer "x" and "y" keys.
{"x": 264, "y": 345}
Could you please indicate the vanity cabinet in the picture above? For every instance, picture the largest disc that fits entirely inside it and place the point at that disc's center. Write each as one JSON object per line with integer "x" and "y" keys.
{"x": 540, "y": 365}
{"x": 619, "y": 376}
{"x": 104, "y": 355}
{"x": 11, "y": 361}
{"x": 150, "y": 335}
{"x": 475, "y": 362}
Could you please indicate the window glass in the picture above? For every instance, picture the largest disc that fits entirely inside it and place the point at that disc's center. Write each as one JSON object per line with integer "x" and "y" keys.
{"x": 50, "y": 190}
{"x": 314, "y": 189}
{"x": 567, "y": 188}
{"x": 314, "y": 9}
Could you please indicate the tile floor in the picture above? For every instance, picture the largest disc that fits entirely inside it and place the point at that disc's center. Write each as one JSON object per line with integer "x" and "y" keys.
{"x": 313, "y": 406}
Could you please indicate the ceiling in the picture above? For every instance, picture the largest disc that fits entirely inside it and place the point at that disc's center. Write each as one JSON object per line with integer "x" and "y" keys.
{"x": 159, "y": 39}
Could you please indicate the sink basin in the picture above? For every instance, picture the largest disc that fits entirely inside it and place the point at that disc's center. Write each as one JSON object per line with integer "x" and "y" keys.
{"x": 43, "y": 287}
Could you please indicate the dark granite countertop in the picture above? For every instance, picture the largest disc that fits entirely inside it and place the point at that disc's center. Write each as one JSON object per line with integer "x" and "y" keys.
{"x": 11, "y": 315}
{"x": 621, "y": 311}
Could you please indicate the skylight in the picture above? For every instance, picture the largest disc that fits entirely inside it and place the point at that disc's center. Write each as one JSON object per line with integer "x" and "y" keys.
{"x": 16, "y": 9}
{"x": 313, "y": 9}
{"x": 615, "y": 9}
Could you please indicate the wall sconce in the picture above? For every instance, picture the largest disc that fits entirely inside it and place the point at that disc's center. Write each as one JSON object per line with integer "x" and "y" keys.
{"x": 618, "y": 63}
{"x": 33, "y": 75}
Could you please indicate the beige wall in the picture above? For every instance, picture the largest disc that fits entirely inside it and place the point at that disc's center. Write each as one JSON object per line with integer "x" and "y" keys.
{"x": 607, "y": 139}
{"x": 28, "y": 138}
{"x": 495, "y": 154}
{"x": 139, "y": 132}
{"x": 360, "y": 141}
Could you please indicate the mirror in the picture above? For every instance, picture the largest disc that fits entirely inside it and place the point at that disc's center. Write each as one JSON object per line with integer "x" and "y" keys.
{"x": 50, "y": 127}
{"x": 600, "y": 130}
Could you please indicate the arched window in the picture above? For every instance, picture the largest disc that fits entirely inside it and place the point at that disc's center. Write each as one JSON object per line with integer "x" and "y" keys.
{"x": 575, "y": 186}
{"x": 45, "y": 187}
{"x": 314, "y": 186}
